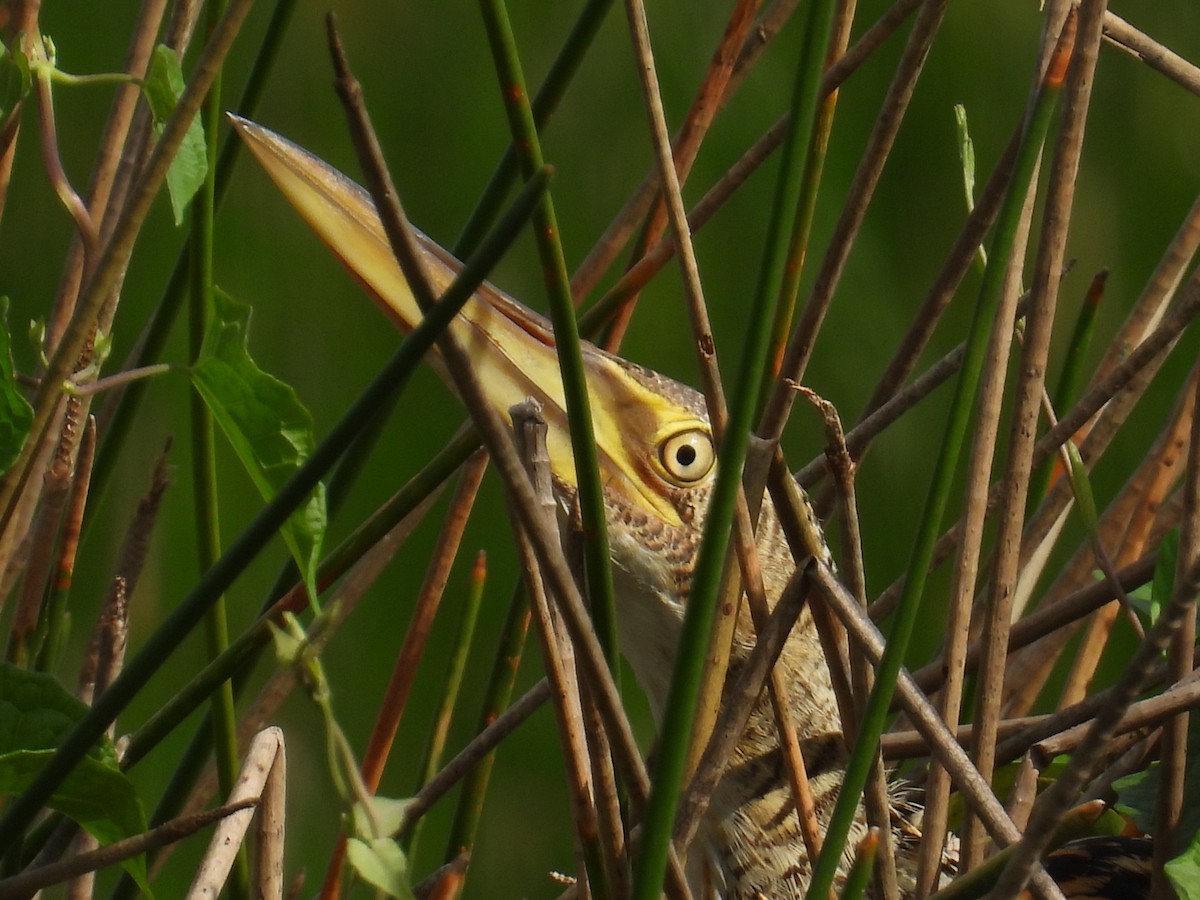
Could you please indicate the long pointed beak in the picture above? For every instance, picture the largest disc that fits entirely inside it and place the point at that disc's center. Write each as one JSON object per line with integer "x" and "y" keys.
{"x": 636, "y": 413}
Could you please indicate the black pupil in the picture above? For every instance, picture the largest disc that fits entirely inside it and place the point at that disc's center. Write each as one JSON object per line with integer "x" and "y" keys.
{"x": 685, "y": 455}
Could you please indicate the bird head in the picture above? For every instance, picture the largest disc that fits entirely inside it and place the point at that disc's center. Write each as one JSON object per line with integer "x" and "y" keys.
{"x": 655, "y": 444}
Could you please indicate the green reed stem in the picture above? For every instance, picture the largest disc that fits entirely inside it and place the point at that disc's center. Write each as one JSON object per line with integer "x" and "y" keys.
{"x": 20, "y": 812}
{"x": 562, "y": 70}
{"x": 154, "y": 336}
{"x": 597, "y": 559}
{"x": 204, "y": 460}
{"x": 509, "y": 649}
{"x": 876, "y": 712}
{"x": 680, "y": 710}
{"x": 455, "y": 670}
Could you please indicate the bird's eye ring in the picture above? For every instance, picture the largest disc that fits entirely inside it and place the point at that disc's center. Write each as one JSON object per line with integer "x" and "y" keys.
{"x": 687, "y": 456}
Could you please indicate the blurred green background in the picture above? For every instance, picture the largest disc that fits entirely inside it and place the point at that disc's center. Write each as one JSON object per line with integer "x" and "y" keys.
{"x": 428, "y": 79}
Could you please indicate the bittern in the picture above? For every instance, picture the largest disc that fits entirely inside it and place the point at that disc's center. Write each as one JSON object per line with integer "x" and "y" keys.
{"x": 657, "y": 464}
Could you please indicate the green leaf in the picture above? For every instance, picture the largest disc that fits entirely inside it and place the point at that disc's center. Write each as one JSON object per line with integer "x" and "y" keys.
{"x": 1138, "y": 793}
{"x": 36, "y": 713}
{"x": 382, "y": 865}
{"x": 966, "y": 153}
{"x": 388, "y": 813}
{"x": 1184, "y": 871}
{"x": 1082, "y": 487}
{"x": 163, "y": 86}
{"x": 15, "y": 80}
{"x": 16, "y": 415}
{"x": 1163, "y": 584}
{"x": 266, "y": 424}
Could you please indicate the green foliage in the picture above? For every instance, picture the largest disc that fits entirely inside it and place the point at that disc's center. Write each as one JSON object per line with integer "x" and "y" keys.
{"x": 36, "y": 713}
{"x": 381, "y": 864}
{"x": 1184, "y": 871}
{"x": 15, "y": 81}
{"x": 266, "y": 424}
{"x": 1164, "y": 573}
{"x": 1138, "y": 795}
{"x": 164, "y": 84}
{"x": 16, "y": 414}
{"x": 386, "y": 815}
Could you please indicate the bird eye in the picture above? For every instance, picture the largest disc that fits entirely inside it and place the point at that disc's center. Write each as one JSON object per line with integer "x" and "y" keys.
{"x": 688, "y": 456}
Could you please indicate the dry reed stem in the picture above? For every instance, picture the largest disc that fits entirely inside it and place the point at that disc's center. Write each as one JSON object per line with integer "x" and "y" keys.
{"x": 530, "y": 430}
{"x": 416, "y": 636}
{"x": 1157, "y": 56}
{"x": 1047, "y": 810}
{"x": 876, "y": 801}
{"x": 1144, "y": 496}
{"x": 262, "y": 782}
{"x": 30, "y": 880}
{"x": 412, "y": 648}
{"x": 638, "y": 275}
{"x": 941, "y": 743}
{"x": 1045, "y": 731}
{"x": 1149, "y": 311}
{"x": 1094, "y": 399}
{"x": 988, "y": 406}
{"x": 866, "y": 178}
{"x": 1123, "y": 527}
{"x": 1046, "y": 620}
{"x": 1039, "y": 326}
{"x": 1152, "y": 712}
{"x": 104, "y": 168}
{"x": 474, "y": 752}
{"x": 684, "y": 147}
{"x": 745, "y": 548}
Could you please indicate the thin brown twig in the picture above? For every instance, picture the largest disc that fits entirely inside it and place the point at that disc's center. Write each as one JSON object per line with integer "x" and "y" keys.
{"x": 686, "y": 144}
{"x": 1048, "y": 619}
{"x": 988, "y": 407}
{"x": 1146, "y": 353}
{"x": 916, "y": 705}
{"x": 476, "y": 750}
{"x": 530, "y": 430}
{"x": 636, "y": 277}
{"x": 416, "y": 637}
{"x": 1035, "y": 350}
{"x": 117, "y": 134}
{"x": 33, "y": 880}
{"x": 1063, "y": 791}
{"x": 878, "y": 807}
{"x": 1145, "y": 714}
{"x": 1158, "y": 56}
{"x": 1047, "y": 730}
{"x": 866, "y": 178}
